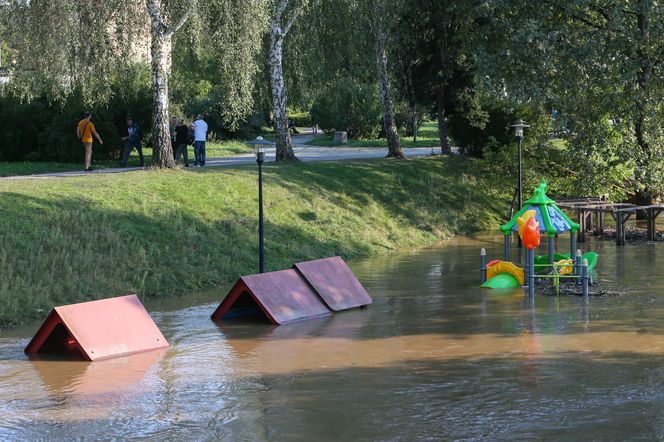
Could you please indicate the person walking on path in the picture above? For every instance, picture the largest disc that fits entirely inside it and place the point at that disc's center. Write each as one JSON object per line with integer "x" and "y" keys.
{"x": 84, "y": 131}
{"x": 181, "y": 135}
{"x": 200, "y": 136}
{"x": 133, "y": 140}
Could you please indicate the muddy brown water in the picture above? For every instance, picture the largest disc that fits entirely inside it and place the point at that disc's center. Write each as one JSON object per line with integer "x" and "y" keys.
{"x": 434, "y": 358}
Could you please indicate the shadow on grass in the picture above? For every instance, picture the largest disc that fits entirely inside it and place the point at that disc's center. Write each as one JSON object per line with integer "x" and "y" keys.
{"x": 65, "y": 250}
{"x": 439, "y": 194}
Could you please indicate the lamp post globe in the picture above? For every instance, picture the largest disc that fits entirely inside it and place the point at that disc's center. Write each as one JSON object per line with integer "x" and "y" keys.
{"x": 259, "y": 150}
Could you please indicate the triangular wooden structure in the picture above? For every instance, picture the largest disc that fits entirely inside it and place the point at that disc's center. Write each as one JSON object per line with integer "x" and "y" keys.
{"x": 281, "y": 296}
{"x": 99, "y": 329}
{"x": 309, "y": 290}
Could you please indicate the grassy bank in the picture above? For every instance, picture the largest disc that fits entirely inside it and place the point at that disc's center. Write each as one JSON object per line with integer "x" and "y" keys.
{"x": 212, "y": 150}
{"x": 427, "y": 136}
{"x": 165, "y": 233}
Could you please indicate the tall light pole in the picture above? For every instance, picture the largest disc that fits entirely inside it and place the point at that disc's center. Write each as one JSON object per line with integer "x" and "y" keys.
{"x": 259, "y": 149}
{"x": 518, "y": 126}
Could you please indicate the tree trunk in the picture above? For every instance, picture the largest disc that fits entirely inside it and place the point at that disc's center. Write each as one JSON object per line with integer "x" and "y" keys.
{"x": 162, "y": 150}
{"x": 644, "y": 159}
{"x": 442, "y": 124}
{"x": 279, "y": 99}
{"x": 393, "y": 142}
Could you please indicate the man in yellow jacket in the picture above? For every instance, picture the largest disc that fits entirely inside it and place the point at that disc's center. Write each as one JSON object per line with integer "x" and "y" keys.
{"x": 84, "y": 131}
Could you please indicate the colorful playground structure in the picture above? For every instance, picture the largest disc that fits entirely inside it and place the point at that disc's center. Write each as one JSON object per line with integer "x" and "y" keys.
{"x": 539, "y": 216}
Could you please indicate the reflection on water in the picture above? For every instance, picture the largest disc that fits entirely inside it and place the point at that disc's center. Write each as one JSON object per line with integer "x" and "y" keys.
{"x": 434, "y": 357}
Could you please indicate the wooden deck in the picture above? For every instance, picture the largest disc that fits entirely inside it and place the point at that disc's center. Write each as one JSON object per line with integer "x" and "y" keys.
{"x": 591, "y": 211}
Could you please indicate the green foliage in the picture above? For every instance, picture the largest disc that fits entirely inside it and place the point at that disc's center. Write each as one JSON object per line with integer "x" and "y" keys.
{"x": 596, "y": 61}
{"x": 301, "y": 119}
{"x": 348, "y": 105}
{"x": 45, "y": 130}
{"x": 403, "y": 117}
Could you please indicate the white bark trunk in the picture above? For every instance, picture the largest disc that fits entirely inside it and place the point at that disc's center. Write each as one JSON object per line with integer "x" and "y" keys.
{"x": 279, "y": 98}
{"x": 162, "y": 149}
{"x": 161, "y": 51}
{"x": 379, "y": 31}
{"x": 393, "y": 140}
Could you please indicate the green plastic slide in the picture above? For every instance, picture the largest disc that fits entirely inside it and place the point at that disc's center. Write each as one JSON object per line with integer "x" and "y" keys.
{"x": 502, "y": 281}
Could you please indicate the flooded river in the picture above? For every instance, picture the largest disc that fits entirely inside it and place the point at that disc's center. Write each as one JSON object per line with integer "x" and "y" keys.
{"x": 434, "y": 358}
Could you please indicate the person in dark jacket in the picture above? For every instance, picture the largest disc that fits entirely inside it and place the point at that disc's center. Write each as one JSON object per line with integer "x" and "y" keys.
{"x": 181, "y": 135}
{"x": 133, "y": 140}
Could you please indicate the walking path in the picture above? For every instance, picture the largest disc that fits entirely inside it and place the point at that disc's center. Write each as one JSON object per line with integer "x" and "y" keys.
{"x": 303, "y": 152}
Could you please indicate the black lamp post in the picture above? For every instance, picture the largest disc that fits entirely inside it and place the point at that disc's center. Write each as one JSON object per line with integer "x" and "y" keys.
{"x": 259, "y": 149}
{"x": 518, "y": 126}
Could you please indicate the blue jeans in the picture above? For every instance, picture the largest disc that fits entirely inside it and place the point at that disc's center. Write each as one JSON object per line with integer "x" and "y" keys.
{"x": 199, "y": 152}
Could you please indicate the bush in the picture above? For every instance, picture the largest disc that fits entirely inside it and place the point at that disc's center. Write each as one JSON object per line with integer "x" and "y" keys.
{"x": 403, "y": 117}
{"x": 350, "y": 106}
{"x": 45, "y": 130}
{"x": 301, "y": 119}
{"x": 478, "y": 129}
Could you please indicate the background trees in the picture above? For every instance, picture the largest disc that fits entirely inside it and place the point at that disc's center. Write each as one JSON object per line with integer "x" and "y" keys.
{"x": 588, "y": 73}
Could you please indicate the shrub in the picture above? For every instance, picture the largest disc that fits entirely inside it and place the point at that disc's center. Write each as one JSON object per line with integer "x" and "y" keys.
{"x": 301, "y": 119}
{"x": 403, "y": 117}
{"x": 45, "y": 130}
{"x": 350, "y": 106}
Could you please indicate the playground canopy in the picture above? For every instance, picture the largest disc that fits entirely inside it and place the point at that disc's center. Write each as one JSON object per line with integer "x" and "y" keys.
{"x": 551, "y": 219}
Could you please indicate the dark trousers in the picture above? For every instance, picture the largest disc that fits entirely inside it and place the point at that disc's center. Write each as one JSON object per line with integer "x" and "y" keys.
{"x": 130, "y": 146}
{"x": 182, "y": 151}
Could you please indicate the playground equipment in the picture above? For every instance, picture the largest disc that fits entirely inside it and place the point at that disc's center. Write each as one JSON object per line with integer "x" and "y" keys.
{"x": 539, "y": 216}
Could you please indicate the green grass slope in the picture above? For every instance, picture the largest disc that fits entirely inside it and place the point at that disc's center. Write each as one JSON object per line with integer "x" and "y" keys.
{"x": 167, "y": 233}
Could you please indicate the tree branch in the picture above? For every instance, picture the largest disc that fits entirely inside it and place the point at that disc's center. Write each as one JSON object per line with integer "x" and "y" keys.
{"x": 296, "y": 14}
{"x": 183, "y": 19}
{"x": 279, "y": 10}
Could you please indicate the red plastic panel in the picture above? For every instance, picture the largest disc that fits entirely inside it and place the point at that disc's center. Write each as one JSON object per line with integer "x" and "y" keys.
{"x": 283, "y": 296}
{"x": 335, "y": 283}
{"x": 103, "y": 329}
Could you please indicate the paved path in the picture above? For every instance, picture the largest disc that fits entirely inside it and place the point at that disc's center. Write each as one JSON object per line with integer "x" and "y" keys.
{"x": 302, "y": 151}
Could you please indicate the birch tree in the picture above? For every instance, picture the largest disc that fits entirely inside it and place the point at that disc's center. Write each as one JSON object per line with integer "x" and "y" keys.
{"x": 281, "y": 22}
{"x": 161, "y": 33}
{"x": 380, "y": 24}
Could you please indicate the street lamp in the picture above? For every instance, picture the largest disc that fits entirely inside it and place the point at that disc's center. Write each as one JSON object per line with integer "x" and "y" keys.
{"x": 518, "y": 126}
{"x": 259, "y": 149}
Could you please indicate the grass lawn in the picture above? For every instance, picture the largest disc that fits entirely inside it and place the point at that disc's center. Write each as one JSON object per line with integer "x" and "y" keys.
{"x": 427, "y": 136}
{"x": 164, "y": 233}
{"x": 212, "y": 150}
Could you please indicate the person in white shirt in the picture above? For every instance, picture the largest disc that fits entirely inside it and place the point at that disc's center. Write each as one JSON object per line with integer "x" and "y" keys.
{"x": 200, "y": 136}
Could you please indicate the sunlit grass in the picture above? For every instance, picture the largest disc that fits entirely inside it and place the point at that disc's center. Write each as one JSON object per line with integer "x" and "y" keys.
{"x": 159, "y": 233}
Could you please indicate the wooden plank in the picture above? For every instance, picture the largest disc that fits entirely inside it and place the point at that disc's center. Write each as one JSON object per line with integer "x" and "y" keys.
{"x": 335, "y": 283}
{"x": 286, "y": 295}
